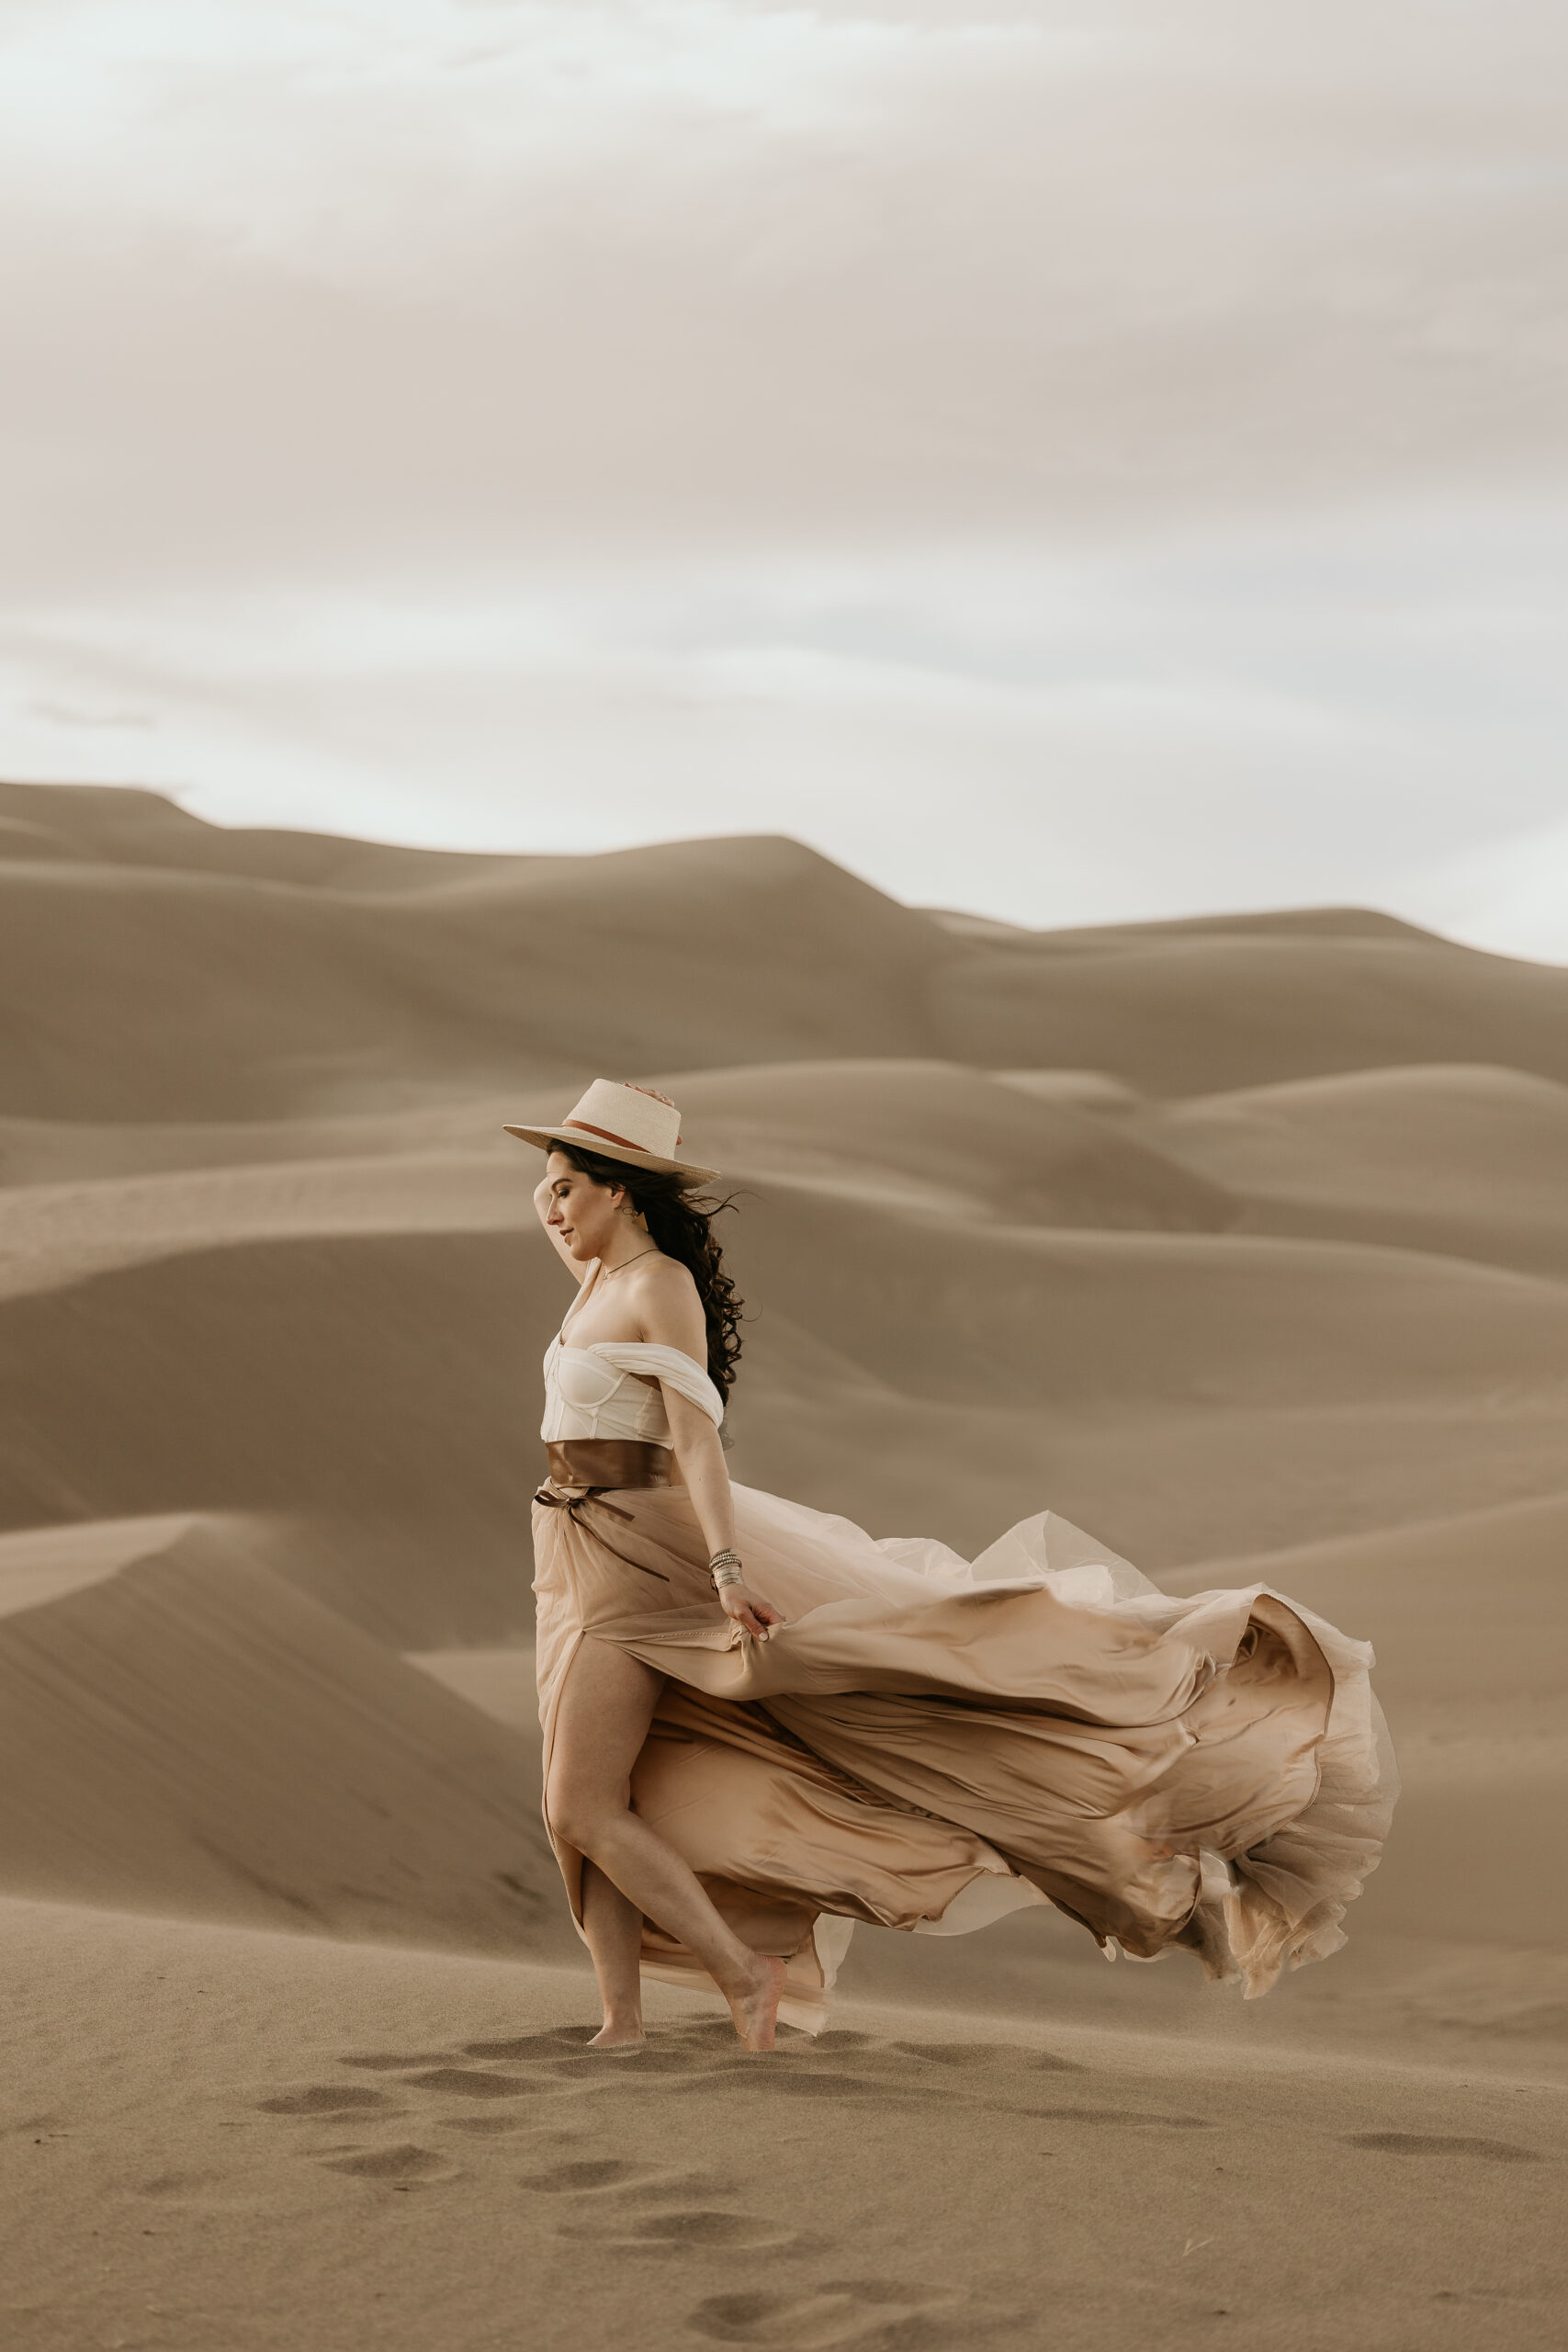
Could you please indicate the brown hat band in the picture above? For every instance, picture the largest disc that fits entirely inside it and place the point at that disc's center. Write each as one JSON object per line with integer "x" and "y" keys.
{"x": 609, "y": 1136}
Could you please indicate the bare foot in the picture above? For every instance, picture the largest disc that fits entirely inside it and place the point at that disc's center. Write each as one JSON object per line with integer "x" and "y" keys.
{"x": 756, "y": 2010}
{"x": 618, "y": 2037}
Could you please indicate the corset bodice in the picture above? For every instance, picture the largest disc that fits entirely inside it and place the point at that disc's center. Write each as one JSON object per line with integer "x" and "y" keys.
{"x": 610, "y": 1390}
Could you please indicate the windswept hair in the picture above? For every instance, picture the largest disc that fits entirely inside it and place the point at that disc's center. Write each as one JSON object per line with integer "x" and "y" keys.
{"x": 682, "y": 1225}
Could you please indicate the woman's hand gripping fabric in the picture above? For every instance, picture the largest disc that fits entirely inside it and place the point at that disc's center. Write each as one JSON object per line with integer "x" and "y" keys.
{"x": 756, "y": 1616}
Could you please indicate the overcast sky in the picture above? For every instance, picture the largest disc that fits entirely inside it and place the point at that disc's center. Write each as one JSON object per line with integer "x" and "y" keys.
{"x": 1074, "y": 459}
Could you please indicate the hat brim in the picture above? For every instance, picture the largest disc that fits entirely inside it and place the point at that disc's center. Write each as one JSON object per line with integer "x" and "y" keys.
{"x": 545, "y": 1136}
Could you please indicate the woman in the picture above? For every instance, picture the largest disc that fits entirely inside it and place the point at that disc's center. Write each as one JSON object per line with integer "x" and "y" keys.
{"x": 761, "y": 1725}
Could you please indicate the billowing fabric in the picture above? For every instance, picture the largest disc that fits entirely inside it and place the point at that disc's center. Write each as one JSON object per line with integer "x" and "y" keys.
{"x": 613, "y": 1390}
{"x": 929, "y": 1742}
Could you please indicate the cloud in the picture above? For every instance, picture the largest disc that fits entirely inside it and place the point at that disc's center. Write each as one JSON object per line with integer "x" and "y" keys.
{"x": 1129, "y": 441}
{"x": 427, "y": 278}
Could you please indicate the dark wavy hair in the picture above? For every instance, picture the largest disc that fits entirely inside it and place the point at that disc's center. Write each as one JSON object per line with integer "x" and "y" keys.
{"x": 682, "y": 1225}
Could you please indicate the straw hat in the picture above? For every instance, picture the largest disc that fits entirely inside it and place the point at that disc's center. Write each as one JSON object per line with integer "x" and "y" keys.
{"x": 620, "y": 1121}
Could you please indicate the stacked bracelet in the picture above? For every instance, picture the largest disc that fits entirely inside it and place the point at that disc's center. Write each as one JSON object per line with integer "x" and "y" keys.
{"x": 725, "y": 1569}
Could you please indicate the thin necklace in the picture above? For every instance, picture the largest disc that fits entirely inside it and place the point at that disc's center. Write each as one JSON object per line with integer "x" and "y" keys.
{"x": 608, "y": 1275}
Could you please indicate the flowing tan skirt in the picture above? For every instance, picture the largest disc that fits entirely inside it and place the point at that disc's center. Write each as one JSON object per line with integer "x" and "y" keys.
{"x": 931, "y": 1743}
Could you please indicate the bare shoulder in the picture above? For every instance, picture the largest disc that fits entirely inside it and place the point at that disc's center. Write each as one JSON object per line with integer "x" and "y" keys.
{"x": 667, "y": 1305}
{"x": 665, "y": 1283}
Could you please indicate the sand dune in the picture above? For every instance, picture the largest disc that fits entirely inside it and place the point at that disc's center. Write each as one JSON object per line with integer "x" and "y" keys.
{"x": 1470, "y": 1611}
{"x": 1059, "y": 1319}
{"x": 1465, "y": 1162}
{"x": 1161, "y": 1387}
{"x": 351, "y": 1349}
{"x": 372, "y": 1393}
{"x": 1238, "y": 1241}
{"x": 99, "y": 826}
{"x": 179, "y": 993}
{"x": 182, "y": 1732}
{"x": 72, "y": 1151}
{"x": 164, "y": 970}
{"x": 953, "y": 1141}
{"x": 53, "y": 1235}
{"x": 1201, "y": 1008}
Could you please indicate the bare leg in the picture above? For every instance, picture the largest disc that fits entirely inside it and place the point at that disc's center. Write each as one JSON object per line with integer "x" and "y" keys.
{"x": 606, "y": 1706}
{"x": 613, "y": 1930}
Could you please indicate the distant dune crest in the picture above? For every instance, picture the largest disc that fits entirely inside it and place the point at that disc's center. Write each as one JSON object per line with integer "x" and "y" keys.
{"x": 161, "y": 968}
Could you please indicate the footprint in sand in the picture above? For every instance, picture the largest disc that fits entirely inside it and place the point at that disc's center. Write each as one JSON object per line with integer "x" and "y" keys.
{"x": 956, "y": 2053}
{"x": 484, "y": 2126}
{"x": 324, "y": 2099}
{"x": 659, "y": 2059}
{"x": 468, "y": 2082}
{"x": 564, "y": 2055}
{"x": 686, "y": 2230}
{"x": 179, "y": 2184}
{"x": 716, "y": 2030}
{"x": 869, "y": 2315}
{"x": 819, "y": 2083}
{"x": 402, "y": 2167}
{"x": 705, "y": 2051}
{"x": 1126, "y": 2115}
{"x": 919, "y": 2071}
{"x": 559, "y": 2041}
{"x": 597, "y": 2171}
{"x": 607, "y": 2190}
{"x": 204, "y": 2191}
{"x": 384, "y": 2062}
{"x": 1007, "y": 2054}
{"x": 1423, "y": 2144}
{"x": 623, "y": 2177}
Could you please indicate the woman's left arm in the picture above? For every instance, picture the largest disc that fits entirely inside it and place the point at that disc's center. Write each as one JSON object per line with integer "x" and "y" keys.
{"x": 671, "y": 1316}
{"x": 706, "y": 1475}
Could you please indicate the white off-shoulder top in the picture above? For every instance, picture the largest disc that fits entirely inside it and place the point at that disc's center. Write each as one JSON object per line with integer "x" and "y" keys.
{"x": 604, "y": 1391}
{"x": 611, "y": 1389}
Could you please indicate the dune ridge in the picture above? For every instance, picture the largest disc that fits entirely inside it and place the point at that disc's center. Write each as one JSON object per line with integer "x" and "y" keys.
{"x": 332, "y": 976}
